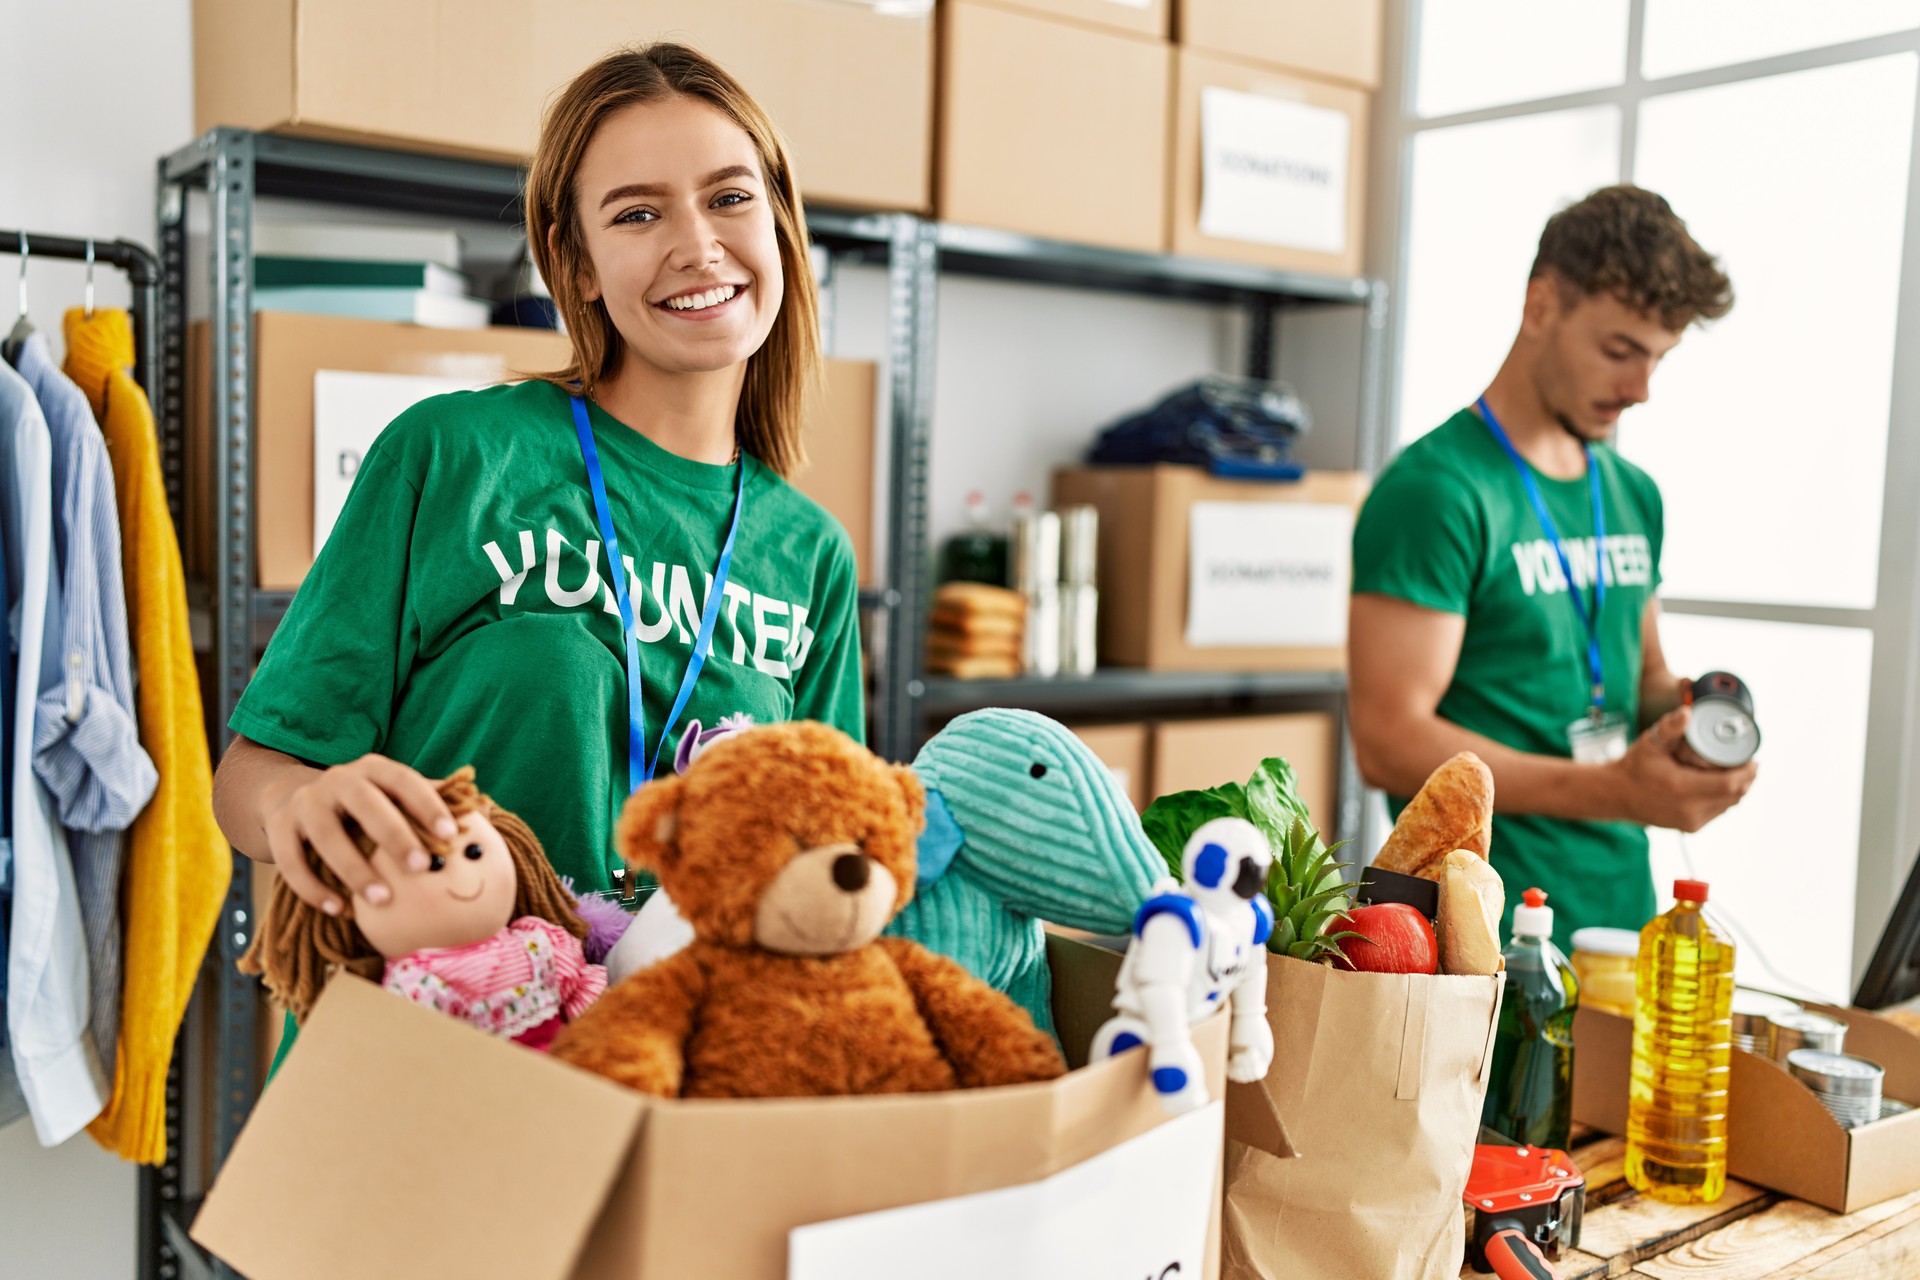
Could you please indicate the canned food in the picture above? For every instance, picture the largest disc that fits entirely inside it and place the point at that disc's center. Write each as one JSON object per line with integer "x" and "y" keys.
{"x": 1722, "y": 731}
{"x": 1804, "y": 1030}
{"x": 1848, "y": 1087}
{"x": 1753, "y": 1012}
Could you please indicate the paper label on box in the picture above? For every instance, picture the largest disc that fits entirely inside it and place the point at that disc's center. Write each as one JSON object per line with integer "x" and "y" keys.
{"x": 1140, "y": 1209}
{"x": 1273, "y": 171}
{"x": 1268, "y": 573}
{"x": 349, "y": 411}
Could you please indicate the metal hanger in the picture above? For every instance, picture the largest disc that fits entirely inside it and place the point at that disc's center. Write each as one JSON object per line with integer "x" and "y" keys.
{"x": 89, "y": 278}
{"x": 22, "y": 327}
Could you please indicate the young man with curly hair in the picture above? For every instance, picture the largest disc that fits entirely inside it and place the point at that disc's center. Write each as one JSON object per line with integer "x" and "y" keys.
{"x": 1506, "y": 570}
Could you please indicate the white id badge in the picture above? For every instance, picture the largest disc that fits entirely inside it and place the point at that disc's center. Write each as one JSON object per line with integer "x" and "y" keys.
{"x": 1598, "y": 739}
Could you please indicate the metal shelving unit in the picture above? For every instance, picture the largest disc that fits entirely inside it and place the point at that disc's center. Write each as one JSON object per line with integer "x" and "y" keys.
{"x": 235, "y": 168}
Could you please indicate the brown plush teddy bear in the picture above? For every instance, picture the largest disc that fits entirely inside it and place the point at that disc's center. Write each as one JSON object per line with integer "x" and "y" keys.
{"x": 788, "y": 848}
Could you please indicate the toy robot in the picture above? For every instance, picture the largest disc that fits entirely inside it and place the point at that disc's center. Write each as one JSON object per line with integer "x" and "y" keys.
{"x": 1194, "y": 946}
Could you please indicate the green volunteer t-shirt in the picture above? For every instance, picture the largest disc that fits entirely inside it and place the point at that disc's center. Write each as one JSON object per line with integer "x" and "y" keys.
{"x": 1449, "y": 527}
{"x": 459, "y": 612}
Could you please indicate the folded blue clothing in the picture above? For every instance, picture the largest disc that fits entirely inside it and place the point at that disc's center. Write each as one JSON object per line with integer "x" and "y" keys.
{"x": 1242, "y": 428}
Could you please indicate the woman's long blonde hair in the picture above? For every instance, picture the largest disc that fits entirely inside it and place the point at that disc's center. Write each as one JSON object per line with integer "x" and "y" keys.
{"x": 780, "y": 375}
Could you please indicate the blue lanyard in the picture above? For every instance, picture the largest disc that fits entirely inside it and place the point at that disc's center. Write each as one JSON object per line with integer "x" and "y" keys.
{"x": 1590, "y": 618}
{"x": 641, "y": 765}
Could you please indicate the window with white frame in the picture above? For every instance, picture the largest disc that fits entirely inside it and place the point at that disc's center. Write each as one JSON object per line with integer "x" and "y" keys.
{"x": 1783, "y": 133}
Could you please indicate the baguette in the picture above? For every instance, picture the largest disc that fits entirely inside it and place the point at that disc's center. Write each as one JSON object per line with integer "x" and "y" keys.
{"x": 1454, "y": 810}
{"x": 1472, "y": 898}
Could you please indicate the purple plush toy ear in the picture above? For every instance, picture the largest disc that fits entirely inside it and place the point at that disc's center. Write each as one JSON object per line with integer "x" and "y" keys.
{"x": 607, "y": 922}
{"x": 683, "y": 754}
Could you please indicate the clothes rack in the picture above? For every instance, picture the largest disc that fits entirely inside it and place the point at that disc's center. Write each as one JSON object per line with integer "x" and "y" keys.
{"x": 142, "y": 270}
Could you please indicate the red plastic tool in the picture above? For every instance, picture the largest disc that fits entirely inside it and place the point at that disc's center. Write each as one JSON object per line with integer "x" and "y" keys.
{"x": 1526, "y": 1204}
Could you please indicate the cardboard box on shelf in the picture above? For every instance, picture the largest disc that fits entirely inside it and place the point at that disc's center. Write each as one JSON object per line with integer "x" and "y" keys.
{"x": 839, "y": 436}
{"x": 1335, "y": 41}
{"x": 1293, "y": 590}
{"x": 1141, "y": 17}
{"x": 1268, "y": 167}
{"x": 646, "y": 1187}
{"x": 1052, "y": 128}
{"x": 1196, "y": 755}
{"x": 1123, "y": 749}
{"x": 291, "y": 349}
{"x": 473, "y": 79}
{"x": 1778, "y": 1133}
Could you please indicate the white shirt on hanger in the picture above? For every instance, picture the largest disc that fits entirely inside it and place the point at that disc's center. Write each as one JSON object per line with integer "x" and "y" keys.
{"x": 58, "y": 1072}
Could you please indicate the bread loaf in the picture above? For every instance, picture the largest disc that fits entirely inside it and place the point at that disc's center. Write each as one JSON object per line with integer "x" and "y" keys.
{"x": 1454, "y": 810}
{"x": 1472, "y": 898}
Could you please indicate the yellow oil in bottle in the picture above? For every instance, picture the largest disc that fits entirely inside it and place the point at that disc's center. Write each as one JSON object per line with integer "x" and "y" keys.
{"x": 1682, "y": 1047}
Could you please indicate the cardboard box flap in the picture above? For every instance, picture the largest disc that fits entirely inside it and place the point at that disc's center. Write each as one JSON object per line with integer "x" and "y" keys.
{"x": 817, "y": 1159}
{"x": 300, "y": 1197}
{"x": 1797, "y": 1157}
{"x": 1253, "y": 1119}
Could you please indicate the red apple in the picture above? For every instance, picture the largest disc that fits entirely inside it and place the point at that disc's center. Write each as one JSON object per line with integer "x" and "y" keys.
{"x": 1394, "y": 938}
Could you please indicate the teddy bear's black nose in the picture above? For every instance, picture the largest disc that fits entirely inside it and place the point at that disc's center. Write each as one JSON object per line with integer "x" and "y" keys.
{"x": 850, "y": 871}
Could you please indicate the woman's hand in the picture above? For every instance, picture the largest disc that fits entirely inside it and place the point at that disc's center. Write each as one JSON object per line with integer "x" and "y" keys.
{"x": 377, "y": 794}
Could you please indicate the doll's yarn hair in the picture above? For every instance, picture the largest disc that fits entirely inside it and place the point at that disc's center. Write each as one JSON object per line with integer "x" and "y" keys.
{"x": 298, "y": 946}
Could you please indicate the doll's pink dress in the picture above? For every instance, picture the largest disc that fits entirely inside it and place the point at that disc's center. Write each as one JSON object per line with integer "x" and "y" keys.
{"x": 523, "y": 983}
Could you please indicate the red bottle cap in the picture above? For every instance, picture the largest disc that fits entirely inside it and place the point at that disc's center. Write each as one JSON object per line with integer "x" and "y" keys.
{"x": 1534, "y": 897}
{"x": 1690, "y": 890}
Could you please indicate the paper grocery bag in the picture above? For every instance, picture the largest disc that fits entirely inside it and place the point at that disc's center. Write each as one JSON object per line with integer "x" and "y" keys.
{"x": 1379, "y": 1079}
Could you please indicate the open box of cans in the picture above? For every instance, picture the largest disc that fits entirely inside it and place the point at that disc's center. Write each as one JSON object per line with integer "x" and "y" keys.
{"x": 1831, "y": 1121}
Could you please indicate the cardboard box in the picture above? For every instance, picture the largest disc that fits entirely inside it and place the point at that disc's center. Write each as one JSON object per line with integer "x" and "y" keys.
{"x": 1294, "y": 177}
{"x": 1778, "y": 1134}
{"x": 1123, "y": 749}
{"x": 1196, "y": 755}
{"x": 473, "y": 78}
{"x": 1142, "y": 17}
{"x": 1337, "y": 41}
{"x": 1144, "y": 569}
{"x": 289, "y": 349}
{"x": 1052, "y": 128}
{"x": 399, "y": 1142}
{"x": 839, "y": 436}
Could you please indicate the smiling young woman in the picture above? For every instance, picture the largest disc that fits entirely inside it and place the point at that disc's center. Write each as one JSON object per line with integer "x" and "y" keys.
{"x": 554, "y": 580}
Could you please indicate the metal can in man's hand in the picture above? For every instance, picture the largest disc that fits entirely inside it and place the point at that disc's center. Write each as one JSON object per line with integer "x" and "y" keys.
{"x": 1722, "y": 732}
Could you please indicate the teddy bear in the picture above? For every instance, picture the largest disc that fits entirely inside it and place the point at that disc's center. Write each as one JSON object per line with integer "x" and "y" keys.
{"x": 788, "y": 848}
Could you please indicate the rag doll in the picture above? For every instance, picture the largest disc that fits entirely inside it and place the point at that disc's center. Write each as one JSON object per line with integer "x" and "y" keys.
{"x": 486, "y": 932}
{"x": 787, "y": 849}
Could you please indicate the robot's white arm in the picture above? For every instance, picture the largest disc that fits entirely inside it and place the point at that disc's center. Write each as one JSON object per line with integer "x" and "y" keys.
{"x": 1250, "y": 1035}
{"x": 1163, "y": 958}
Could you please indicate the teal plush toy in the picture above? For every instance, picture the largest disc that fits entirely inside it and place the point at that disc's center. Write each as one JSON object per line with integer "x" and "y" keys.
{"x": 1024, "y": 824}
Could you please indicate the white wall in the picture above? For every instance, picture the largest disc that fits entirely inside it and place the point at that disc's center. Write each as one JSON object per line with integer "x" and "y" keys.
{"x": 92, "y": 91}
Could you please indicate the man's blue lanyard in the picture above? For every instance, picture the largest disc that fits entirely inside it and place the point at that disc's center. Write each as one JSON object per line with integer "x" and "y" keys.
{"x": 640, "y": 764}
{"x": 1589, "y": 618}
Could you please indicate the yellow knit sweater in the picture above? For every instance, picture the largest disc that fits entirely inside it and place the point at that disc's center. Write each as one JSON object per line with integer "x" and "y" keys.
{"x": 178, "y": 863}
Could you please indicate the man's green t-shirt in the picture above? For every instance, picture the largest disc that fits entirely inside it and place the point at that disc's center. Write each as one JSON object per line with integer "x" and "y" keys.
{"x": 1449, "y": 527}
{"x": 459, "y": 612}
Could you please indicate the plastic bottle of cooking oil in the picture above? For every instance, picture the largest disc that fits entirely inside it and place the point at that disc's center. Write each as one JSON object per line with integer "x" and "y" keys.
{"x": 1682, "y": 1044}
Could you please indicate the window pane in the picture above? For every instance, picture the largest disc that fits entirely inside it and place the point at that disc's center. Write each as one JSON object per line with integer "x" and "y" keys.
{"x": 1474, "y": 224}
{"x": 1483, "y": 53}
{"x": 1783, "y": 862}
{"x": 1691, "y": 35}
{"x": 1781, "y": 409}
